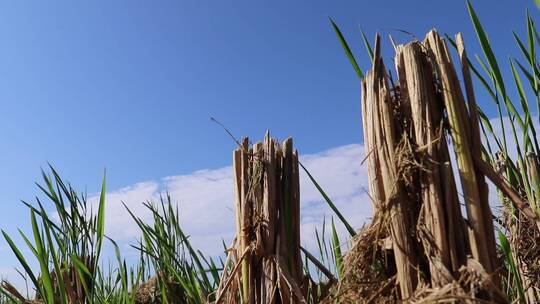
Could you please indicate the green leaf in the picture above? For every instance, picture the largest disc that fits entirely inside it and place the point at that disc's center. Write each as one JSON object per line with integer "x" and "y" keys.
{"x": 337, "y": 251}
{"x": 368, "y": 46}
{"x": 56, "y": 263}
{"x": 21, "y": 259}
{"x": 101, "y": 213}
{"x": 524, "y": 105}
{"x": 509, "y": 260}
{"x": 486, "y": 47}
{"x": 329, "y": 202}
{"x": 347, "y": 50}
{"x": 43, "y": 259}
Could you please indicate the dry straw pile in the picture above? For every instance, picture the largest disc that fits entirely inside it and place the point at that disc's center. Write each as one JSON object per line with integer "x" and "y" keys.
{"x": 420, "y": 247}
{"x": 268, "y": 266}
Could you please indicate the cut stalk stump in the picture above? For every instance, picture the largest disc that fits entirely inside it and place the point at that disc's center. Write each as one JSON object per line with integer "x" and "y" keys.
{"x": 423, "y": 248}
{"x": 267, "y": 249}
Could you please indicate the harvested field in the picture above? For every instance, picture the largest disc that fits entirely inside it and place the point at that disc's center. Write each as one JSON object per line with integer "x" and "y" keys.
{"x": 435, "y": 167}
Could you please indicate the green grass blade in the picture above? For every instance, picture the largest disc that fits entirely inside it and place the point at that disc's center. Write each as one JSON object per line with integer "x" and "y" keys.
{"x": 100, "y": 221}
{"x": 350, "y": 229}
{"x": 43, "y": 259}
{"x": 368, "y": 46}
{"x": 347, "y": 50}
{"x": 54, "y": 257}
{"x": 532, "y": 55}
{"x": 337, "y": 251}
{"x": 486, "y": 47}
{"x": 509, "y": 260}
{"x": 101, "y": 214}
{"x": 22, "y": 260}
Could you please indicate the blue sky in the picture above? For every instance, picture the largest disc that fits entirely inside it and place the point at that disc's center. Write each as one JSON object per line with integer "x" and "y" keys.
{"x": 130, "y": 86}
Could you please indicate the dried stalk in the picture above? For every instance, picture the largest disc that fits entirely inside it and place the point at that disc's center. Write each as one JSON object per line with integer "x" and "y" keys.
{"x": 417, "y": 82}
{"x": 412, "y": 184}
{"x": 268, "y": 225}
{"x": 386, "y": 189}
{"x": 481, "y": 242}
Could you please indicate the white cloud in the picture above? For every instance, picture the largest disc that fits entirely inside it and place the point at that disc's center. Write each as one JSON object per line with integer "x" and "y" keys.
{"x": 206, "y": 202}
{"x": 510, "y": 139}
{"x": 205, "y": 199}
{"x": 344, "y": 179}
{"x": 119, "y": 224}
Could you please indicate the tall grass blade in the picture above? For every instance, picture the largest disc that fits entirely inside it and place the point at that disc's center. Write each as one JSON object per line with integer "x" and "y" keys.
{"x": 347, "y": 50}
{"x": 509, "y": 260}
{"x": 337, "y": 251}
{"x": 368, "y": 46}
{"x": 332, "y": 206}
{"x": 20, "y": 257}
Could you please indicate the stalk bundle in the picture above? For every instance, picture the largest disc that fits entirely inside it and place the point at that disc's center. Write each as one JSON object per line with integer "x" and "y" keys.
{"x": 268, "y": 266}
{"x": 419, "y": 246}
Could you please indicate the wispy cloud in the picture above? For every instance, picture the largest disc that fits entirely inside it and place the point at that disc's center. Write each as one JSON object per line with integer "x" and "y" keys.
{"x": 206, "y": 200}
